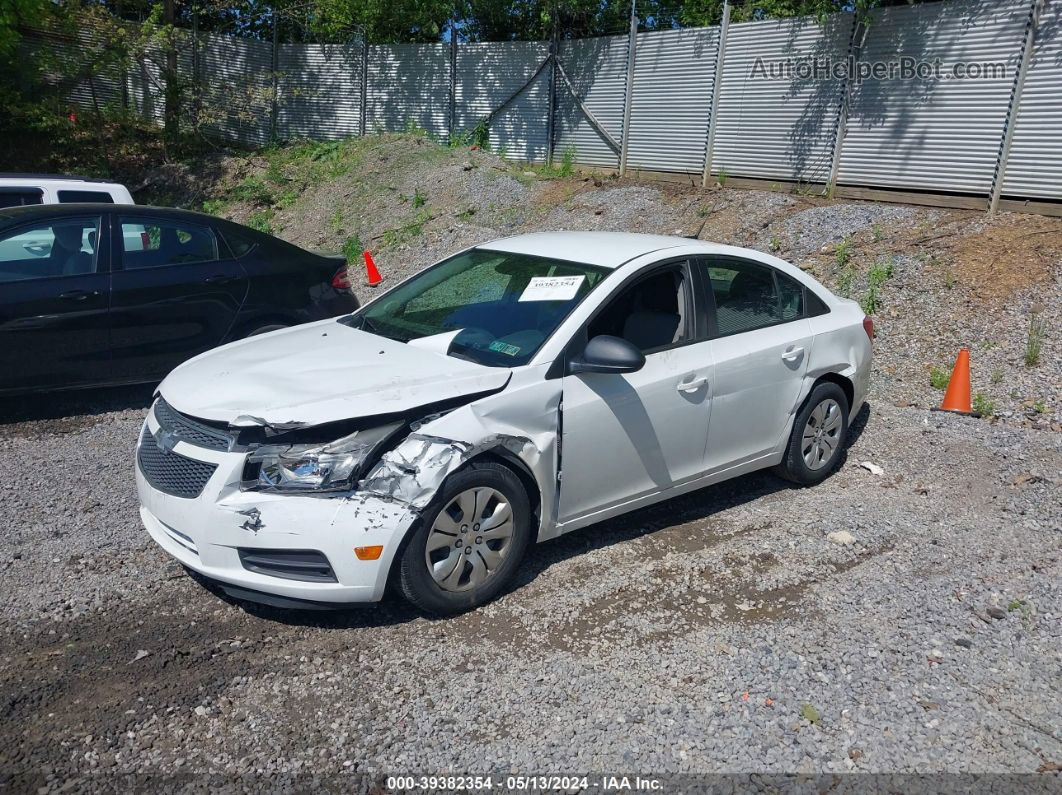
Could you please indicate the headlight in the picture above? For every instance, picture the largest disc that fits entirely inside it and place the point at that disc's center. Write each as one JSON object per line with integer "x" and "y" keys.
{"x": 314, "y": 467}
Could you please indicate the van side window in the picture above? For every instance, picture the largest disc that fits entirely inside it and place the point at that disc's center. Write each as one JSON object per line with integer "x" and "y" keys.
{"x": 20, "y": 197}
{"x": 85, "y": 196}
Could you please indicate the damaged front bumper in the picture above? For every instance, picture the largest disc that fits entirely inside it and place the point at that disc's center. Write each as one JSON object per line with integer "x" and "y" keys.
{"x": 284, "y": 545}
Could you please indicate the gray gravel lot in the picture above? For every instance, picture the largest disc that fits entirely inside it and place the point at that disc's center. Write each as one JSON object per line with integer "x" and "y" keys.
{"x": 723, "y": 631}
{"x": 908, "y": 622}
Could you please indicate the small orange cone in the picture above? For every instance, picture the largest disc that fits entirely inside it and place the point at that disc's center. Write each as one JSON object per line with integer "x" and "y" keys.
{"x": 957, "y": 398}
{"x": 371, "y": 271}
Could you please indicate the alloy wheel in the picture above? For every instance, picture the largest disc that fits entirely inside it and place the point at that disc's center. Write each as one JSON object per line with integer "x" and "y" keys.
{"x": 822, "y": 434}
{"x": 469, "y": 539}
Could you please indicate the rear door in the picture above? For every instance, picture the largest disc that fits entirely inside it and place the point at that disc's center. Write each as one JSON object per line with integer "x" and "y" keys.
{"x": 760, "y": 348}
{"x": 176, "y": 291}
{"x": 53, "y": 303}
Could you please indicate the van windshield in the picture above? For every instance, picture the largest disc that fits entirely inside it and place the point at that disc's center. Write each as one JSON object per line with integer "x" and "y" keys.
{"x": 503, "y": 306}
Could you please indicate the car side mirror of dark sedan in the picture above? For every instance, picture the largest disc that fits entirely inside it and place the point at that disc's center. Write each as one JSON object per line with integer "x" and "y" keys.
{"x": 607, "y": 354}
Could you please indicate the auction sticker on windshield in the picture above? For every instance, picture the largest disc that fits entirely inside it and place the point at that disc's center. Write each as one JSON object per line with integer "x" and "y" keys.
{"x": 552, "y": 288}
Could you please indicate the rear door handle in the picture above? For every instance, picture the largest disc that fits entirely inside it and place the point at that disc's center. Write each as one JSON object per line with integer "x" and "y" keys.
{"x": 78, "y": 295}
{"x": 692, "y": 386}
{"x": 219, "y": 279}
{"x": 792, "y": 355}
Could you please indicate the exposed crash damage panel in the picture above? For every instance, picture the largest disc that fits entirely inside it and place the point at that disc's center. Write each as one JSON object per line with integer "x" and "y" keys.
{"x": 521, "y": 423}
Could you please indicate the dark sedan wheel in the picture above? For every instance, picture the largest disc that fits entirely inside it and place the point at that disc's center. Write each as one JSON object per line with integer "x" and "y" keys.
{"x": 818, "y": 437}
{"x": 469, "y": 542}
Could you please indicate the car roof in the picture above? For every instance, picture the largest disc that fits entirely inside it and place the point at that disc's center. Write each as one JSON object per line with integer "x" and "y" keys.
{"x": 31, "y": 211}
{"x": 25, "y": 177}
{"x": 605, "y": 249}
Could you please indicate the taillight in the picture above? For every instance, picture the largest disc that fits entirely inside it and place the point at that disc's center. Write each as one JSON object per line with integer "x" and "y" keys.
{"x": 868, "y": 326}
{"x": 341, "y": 281}
{"x": 145, "y": 241}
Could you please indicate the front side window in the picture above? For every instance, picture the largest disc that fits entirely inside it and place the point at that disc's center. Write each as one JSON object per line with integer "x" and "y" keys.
{"x": 60, "y": 247}
{"x": 650, "y": 314}
{"x": 750, "y": 296}
{"x": 503, "y": 306}
{"x": 85, "y": 196}
{"x": 147, "y": 243}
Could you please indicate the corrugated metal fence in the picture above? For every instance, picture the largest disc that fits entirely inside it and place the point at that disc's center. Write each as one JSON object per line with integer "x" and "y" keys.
{"x": 994, "y": 136}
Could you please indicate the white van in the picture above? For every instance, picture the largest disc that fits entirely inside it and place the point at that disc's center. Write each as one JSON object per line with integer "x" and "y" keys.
{"x": 17, "y": 190}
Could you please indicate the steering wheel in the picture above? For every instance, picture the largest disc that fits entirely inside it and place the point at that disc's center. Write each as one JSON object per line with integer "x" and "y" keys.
{"x": 474, "y": 337}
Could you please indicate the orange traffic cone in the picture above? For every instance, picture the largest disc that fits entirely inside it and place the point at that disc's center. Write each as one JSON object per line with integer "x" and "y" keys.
{"x": 957, "y": 398}
{"x": 371, "y": 271}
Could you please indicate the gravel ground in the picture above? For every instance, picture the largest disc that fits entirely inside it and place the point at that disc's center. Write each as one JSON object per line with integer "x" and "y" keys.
{"x": 903, "y": 622}
{"x": 907, "y": 622}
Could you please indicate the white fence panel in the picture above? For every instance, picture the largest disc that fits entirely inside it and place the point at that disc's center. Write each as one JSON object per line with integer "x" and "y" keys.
{"x": 674, "y": 74}
{"x": 490, "y": 73}
{"x": 779, "y": 127}
{"x": 319, "y": 90}
{"x": 409, "y": 85}
{"x": 1034, "y": 168}
{"x": 597, "y": 69}
{"x": 938, "y": 134}
{"x": 237, "y": 77}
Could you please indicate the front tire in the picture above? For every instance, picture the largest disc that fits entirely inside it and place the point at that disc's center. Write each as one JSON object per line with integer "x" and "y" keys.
{"x": 468, "y": 543}
{"x": 816, "y": 443}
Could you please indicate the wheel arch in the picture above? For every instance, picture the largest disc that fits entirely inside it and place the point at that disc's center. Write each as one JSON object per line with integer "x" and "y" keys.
{"x": 843, "y": 382}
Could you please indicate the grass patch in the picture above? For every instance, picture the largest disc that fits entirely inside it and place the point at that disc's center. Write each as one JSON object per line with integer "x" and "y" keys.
{"x": 983, "y": 406}
{"x": 939, "y": 377}
{"x": 775, "y": 243}
{"x": 842, "y": 257}
{"x": 1034, "y": 341}
{"x": 262, "y": 220}
{"x": 352, "y": 248}
{"x": 879, "y": 273}
{"x": 409, "y": 230}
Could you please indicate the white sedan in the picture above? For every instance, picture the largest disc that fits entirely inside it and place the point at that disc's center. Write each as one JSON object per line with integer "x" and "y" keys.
{"x": 516, "y": 391}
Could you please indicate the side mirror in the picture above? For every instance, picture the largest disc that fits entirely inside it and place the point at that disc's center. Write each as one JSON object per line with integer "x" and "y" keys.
{"x": 607, "y": 354}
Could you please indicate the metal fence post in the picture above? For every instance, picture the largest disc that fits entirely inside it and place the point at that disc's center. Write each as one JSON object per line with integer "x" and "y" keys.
{"x": 709, "y": 145}
{"x": 855, "y": 49}
{"x": 364, "y": 99}
{"x": 554, "y": 46}
{"x": 274, "y": 106}
{"x": 632, "y": 46}
{"x": 452, "y": 121}
{"x": 1015, "y": 103}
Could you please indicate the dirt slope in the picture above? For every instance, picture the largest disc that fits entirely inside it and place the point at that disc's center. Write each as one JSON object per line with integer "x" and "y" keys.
{"x": 935, "y": 279}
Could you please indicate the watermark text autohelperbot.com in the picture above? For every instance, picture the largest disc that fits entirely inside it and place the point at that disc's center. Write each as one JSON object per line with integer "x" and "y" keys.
{"x": 903, "y": 68}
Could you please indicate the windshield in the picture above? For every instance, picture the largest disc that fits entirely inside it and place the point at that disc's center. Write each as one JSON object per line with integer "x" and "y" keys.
{"x": 503, "y": 305}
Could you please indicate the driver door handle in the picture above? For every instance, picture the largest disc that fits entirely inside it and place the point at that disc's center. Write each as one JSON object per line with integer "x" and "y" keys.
{"x": 78, "y": 295}
{"x": 219, "y": 279}
{"x": 792, "y": 355}
{"x": 693, "y": 385}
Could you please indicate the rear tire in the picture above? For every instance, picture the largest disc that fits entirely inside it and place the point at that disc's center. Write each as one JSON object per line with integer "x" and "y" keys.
{"x": 817, "y": 441}
{"x": 468, "y": 542}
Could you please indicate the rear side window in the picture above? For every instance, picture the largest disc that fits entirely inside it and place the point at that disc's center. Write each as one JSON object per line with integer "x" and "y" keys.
{"x": 749, "y": 296}
{"x": 240, "y": 244}
{"x": 82, "y": 196}
{"x": 20, "y": 197}
{"x": 151, "y": 243}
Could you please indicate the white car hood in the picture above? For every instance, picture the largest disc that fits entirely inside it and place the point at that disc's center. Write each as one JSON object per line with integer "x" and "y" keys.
{"x": 319, "y": 372}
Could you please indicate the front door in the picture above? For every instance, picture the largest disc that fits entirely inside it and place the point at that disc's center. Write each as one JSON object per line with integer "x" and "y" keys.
{"x": 175, "y": 294}
{"x": 628, "y": 436}
{"x": 53, "y": 304}
{"x": 761, "y": 348}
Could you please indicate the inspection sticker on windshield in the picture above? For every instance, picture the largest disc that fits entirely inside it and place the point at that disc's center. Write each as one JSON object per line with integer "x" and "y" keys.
{"x": 552, "y": 288}
{"x": 504, "y": 347}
